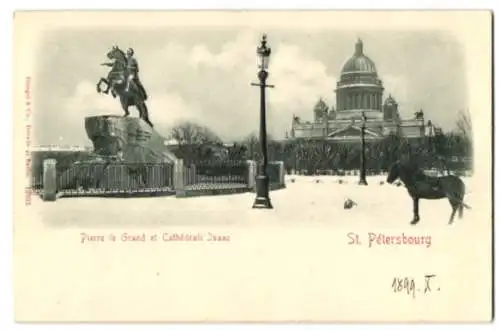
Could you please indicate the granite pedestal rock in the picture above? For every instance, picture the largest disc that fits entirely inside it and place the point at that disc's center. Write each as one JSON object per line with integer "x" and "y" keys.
{"x": 131, "y": 138}
{"x": 123, "y": 146}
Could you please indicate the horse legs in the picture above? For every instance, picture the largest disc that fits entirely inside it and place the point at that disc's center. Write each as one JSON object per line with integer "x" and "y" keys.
{"x": 98, "y": 86}
{"x": 416, "y": 216}
{"x": 460, "y": 210}
{"x": 454, "y": 207}
{"x": 124, "y": 106}
{"x": 143, "y": 110}
{"x": 456, "y": 204}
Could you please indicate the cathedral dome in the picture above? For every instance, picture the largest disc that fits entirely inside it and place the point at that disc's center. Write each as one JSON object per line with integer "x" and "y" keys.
{"x": 359, "y": 62}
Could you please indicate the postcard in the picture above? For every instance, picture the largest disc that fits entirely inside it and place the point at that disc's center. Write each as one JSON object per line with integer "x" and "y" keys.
{"x": 253, "y": 166}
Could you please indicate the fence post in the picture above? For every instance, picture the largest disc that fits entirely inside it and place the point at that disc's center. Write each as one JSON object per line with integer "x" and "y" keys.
{"x": 179, "y": 174}
{"x": 49, "y": 180}
{"x": 252, "y": 172}
{"x": 192, "y": 174}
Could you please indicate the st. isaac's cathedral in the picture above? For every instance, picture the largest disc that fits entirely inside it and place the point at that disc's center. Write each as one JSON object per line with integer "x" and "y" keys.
{"x": 359, "y": 91}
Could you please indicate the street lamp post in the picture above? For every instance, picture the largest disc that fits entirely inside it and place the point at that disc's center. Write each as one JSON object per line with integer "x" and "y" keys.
{"x": 262, "y": 199}
{"x": 430, "y": 134}
{"x": 362, "y": 170}
{"x": 431, "y": 147}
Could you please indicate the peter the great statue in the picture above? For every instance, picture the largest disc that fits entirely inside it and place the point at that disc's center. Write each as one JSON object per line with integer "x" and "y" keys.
{"x": 123, "y": 81}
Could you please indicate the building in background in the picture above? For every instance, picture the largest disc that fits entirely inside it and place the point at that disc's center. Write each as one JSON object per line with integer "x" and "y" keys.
{"x": 61, "y": 148}
{"x": 359, "y": 90}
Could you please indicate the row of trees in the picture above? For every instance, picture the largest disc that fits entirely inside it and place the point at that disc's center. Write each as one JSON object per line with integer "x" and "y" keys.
{"x": 444, "y": 150}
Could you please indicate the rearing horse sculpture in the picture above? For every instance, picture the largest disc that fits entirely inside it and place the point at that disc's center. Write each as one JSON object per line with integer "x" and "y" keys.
{"x": 421, "y": 186}
{"x": 116, "y": 82}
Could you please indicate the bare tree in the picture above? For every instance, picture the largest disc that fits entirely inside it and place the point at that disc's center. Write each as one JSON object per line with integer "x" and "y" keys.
{"x": 464, "y": 125}
{"x": 194, "y": 141}
{"x": 190, "y": 133}
{"x": 252, "y": 143}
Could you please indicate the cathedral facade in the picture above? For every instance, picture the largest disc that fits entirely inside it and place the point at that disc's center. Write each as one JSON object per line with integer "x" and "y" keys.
{"x": 359, "y": 91}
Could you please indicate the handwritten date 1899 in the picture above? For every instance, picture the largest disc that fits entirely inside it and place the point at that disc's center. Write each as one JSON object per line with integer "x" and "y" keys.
{"x": 407, "y": 285}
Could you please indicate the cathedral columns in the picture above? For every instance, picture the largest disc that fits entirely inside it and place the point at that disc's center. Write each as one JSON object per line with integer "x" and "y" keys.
{"x": 349, "y": 100}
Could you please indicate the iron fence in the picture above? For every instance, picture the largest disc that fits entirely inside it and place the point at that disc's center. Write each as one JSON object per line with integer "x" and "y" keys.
{"x": 110, "y": 177}
{"x": 216, "y": 172}
{"x": 273, "y": 172}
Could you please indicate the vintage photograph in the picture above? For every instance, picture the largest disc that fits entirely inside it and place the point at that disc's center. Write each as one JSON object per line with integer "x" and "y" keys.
{"x": 256, "y": 153}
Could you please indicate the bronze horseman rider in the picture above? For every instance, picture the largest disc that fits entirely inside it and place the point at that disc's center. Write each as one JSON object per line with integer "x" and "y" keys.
{"x": 132, "y": 67}
{"x": 133, "y": 73}
{"x": 123, "y": 81}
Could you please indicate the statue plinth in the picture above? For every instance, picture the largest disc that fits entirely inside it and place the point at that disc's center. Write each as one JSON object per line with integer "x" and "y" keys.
{"x": 130, "y": 139}
{"x": 124, "y": 143}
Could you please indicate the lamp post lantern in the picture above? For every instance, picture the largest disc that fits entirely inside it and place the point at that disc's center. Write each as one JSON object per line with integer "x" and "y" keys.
{"x": 262, "y": 199}
{"x": 430, "y": 143}
{"x": 362, "y": 170}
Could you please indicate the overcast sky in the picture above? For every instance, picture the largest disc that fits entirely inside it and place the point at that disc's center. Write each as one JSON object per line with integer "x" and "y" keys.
{"x": 205, "y": 76}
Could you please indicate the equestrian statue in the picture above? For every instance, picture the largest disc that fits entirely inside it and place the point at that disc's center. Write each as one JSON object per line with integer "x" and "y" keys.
{"x": 123, "y": 81}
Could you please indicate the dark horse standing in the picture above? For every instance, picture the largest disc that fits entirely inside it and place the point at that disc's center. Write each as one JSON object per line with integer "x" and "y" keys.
{"x": 421, "y": 186}
{"x": 117, "y": 82}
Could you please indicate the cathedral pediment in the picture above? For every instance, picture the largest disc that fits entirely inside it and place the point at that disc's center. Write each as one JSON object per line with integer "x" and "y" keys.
{"x": 352, "y": 131}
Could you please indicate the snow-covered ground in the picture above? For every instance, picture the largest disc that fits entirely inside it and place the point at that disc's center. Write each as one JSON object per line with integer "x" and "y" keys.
{"x": 307, "y": 200}
{"x": 293, "y": 262}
